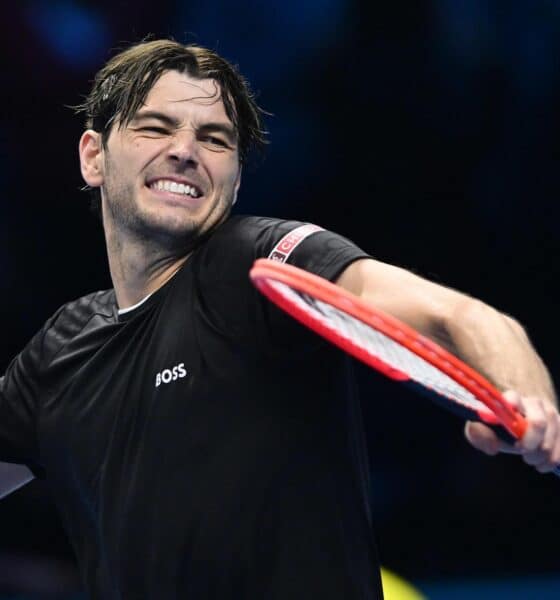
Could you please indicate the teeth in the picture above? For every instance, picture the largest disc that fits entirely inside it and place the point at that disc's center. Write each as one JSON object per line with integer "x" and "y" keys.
{"x": 177, "y": 188}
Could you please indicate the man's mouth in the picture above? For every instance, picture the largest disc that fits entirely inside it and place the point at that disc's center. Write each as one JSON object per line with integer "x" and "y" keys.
{"x": 169, "y": 185}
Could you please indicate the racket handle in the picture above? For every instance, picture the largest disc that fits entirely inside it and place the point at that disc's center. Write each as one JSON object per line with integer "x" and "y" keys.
{"x": 506, "y": 436}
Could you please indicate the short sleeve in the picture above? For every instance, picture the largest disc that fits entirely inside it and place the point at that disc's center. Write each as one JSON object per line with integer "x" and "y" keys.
{"x": 20, "y": 391}
{"x": 222, "y": 268}
{"x": 316, "y": 250}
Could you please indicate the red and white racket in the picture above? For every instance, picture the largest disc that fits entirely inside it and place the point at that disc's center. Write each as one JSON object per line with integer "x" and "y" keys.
{"x": 386, "y": 344}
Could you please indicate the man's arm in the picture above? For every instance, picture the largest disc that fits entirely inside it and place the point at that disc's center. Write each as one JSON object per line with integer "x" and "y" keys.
{"x": 491, "y": 342}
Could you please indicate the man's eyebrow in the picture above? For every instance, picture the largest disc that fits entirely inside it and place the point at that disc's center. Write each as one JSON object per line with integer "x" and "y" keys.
{"x": 142, "y": 115}
{"x": 212, "y": 126}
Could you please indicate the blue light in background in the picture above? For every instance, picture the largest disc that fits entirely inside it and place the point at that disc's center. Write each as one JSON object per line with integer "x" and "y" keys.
{"x": 466, "y": 29}
{"x": 78, "y": 36}
{"x": 266, "y": 39}
{"x": 543, "y": 588}
{"x": 522, "y": 40}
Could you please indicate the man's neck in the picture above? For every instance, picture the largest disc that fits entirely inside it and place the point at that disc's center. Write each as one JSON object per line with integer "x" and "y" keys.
{"x": 138, "y": 269}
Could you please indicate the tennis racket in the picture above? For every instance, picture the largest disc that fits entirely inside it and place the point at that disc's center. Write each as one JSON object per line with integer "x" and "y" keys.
{"x": 388, "y": 345}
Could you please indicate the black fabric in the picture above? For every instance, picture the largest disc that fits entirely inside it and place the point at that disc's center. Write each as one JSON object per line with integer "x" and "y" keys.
{"x": 203, "y": 445}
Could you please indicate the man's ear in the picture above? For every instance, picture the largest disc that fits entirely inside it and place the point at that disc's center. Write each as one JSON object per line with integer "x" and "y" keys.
{"x": 91, "y": 158}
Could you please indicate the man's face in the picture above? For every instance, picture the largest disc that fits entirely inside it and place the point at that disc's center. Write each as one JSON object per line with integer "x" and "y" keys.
{"x": 173, "y": 172}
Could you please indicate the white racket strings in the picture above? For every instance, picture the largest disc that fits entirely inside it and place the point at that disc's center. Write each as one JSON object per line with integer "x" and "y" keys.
{"x": 380, "y": 346}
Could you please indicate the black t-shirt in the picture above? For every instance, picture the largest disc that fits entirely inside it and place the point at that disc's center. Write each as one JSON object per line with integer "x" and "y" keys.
{"x": 202, "y": 445}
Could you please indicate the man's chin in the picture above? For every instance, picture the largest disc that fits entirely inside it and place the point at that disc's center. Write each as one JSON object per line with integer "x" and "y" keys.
{"x": 170, "y": 227}
{"x": 156, "y": 229}
{"x": 173, "y": 232}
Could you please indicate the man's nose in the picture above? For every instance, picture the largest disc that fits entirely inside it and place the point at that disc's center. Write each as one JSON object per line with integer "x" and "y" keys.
{"x": 183, "y": 147}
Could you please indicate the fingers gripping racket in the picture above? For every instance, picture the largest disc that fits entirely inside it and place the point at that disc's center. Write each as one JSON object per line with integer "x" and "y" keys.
{"x": 386, "y": 344}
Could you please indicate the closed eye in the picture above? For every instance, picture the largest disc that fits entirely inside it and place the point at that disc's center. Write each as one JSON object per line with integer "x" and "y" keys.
{"x": 154, "y": 129}
{"x": 212, "y": 139}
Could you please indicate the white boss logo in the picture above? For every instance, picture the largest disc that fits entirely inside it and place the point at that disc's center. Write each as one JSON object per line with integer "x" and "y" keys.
{"x": 169, "y": 375}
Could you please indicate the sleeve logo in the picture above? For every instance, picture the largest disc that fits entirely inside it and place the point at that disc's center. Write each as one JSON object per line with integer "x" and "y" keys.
{"x": 281, "y": 252}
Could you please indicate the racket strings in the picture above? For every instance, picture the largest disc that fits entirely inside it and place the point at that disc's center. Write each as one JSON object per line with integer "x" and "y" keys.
{"x": 381, "y": 347}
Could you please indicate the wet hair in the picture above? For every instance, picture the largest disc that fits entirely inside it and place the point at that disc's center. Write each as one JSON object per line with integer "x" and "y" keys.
{"x": 121, "y": 87}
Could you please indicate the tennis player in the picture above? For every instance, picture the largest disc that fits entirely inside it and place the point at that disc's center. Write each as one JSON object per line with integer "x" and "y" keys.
{"x": 198, "y": 443}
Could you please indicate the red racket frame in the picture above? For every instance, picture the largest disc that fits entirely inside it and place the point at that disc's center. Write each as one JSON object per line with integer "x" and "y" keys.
{"x": 263, "y": 270}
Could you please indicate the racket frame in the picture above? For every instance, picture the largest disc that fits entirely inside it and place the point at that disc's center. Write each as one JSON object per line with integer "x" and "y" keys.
{"x": 500, "y": 411}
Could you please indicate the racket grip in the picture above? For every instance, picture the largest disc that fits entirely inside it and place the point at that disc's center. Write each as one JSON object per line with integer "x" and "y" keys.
{"x": 506, "y": 436}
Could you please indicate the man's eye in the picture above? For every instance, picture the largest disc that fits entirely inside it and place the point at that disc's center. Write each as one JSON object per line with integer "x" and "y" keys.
{"x": 153, "y": 129}
{"x": 216, "y": 141}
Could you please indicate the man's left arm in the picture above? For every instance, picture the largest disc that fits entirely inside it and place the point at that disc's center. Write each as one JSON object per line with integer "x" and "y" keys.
{"x": 488, "y": 340}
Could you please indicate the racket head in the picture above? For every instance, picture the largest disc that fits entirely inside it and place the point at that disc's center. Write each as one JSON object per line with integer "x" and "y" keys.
{"x": 278, "y": 281}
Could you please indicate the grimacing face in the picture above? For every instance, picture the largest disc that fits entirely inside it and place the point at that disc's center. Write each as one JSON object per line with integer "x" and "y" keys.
{"x": 173, "y": 172}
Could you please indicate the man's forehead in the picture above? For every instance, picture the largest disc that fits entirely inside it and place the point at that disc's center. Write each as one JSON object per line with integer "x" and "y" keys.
{"x": 178, "y": 87}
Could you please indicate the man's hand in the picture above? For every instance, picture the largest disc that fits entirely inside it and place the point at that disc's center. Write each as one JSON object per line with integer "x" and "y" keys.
{"x": 539, "y": 447}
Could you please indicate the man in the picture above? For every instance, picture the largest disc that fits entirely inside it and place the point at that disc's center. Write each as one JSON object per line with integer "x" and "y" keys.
{"x": 198, "y": 443}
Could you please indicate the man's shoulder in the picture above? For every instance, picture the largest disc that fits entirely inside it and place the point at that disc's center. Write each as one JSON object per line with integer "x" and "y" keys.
{"x": 253, "y": 231}
{"x": 69, "y": 321}
{"x": 306, "y": 245}
{"x": 253, "y": 224}
{"x": 73, "y": 317}
{"x": 82, "y": 309}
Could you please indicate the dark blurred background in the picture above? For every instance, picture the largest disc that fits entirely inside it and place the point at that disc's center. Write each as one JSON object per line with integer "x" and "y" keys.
{"x": 425, "y": 131}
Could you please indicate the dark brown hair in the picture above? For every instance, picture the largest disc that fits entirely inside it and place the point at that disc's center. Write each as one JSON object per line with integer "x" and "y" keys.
{"x": 122, "y": 85}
